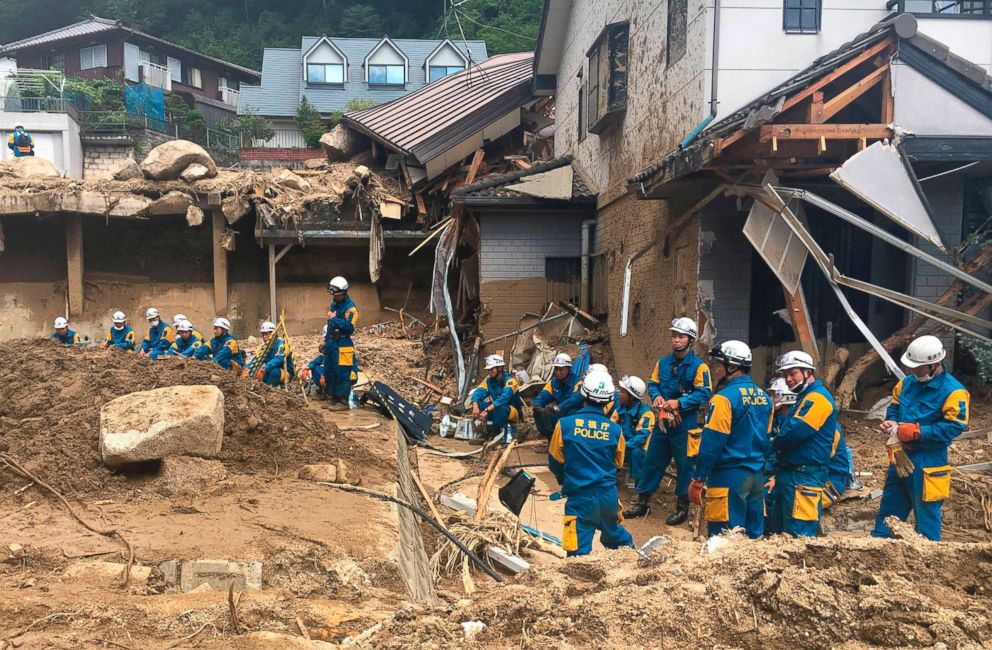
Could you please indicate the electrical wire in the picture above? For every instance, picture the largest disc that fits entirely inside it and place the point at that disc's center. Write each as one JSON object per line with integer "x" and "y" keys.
{"x": 484, "y": 26}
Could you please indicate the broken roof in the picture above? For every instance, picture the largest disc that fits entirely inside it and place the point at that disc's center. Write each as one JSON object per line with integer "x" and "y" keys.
{"x": 426, "y": 123}
{"x": 97, "y": 25}
{"x": 500, "y": 189}
{"x": 915, "y": 49}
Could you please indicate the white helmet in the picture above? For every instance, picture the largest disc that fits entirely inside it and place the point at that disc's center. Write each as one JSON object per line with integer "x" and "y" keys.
{"x": 267, "y": 327}
{"x": 494, "y": 361}
{"x": 685, "y": 326}
{"x": 60, "y": 323}
{"x": 598, "y": 387}
{"x": 337, "y": 285}
{"x": 222, "y": 322}
{"x": 323, "y": 331}
{"x": 782, "y": 391}
{"x": 596, "y": 367}
{"x": 924, "y": 350}
{"x": 151, "y": 313}
{"x": 794, "y": 359}
{"x": 119, "y": 318}
{"x": 184, "y": 326}
{"x": 732, "y": 353}
{"x": 562, "y": 361}
{"x": 633, "y": 385}
{"x": 178, "y": 318}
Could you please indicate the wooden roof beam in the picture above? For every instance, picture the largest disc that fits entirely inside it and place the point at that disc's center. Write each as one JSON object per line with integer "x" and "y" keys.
{"x": 826, "y": 131}
{"x": 845, "y": 97}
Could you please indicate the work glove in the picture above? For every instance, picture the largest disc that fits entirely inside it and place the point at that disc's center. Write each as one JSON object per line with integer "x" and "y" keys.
{"x": 305, "y": 374}
{"x": 696, "y": 488}
{"x": 898, "y": 457}
{"x": 323, "y": 382}
{"x": 260, "y": 374}
{"x": 908, "y": 431}
{"x": 541, "y": 411}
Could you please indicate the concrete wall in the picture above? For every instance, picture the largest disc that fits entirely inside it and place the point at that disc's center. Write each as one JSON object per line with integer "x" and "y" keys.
{"x": 56, "y": 138}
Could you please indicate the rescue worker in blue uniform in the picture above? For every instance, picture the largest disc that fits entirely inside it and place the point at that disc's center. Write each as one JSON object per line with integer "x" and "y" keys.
{"x": 495, "y": 400}
{"x": 585, "y": 452}
{"x": 680, "y": 384}
{"x": 315, "y": 369}
{"x": 64, "y": 335}
{"x": 222, "y": 349}
{"x": 803, "y": 448}
{"x": 728, "y": 472}
{"x": 840, "y": 469}
{"x": 120, "y": 336}
{"x": 636, "y": 420}
{"x": 782, "y": 401}
{"x": 20, "y": 142}
{"x": 559, "y": 397}
{"x": 187, "y": 342}
{"x": 930, "y": 408}
{"x": 340, "y": 362}
{"x": 160, "y": 336}
{"x": 276, "y": 368}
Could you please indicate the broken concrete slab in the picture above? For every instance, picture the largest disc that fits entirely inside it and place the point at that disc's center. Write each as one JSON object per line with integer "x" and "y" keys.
{"x": 153, "y": 424}
{"x": 513, "y": 563}
{"x": 169, "y": 159}
{"x": 195, "y": 172}
{"x": 341, "y": 143}
{"x": 219, "y": 574}
{"x": 30, "y": 167}
{"x": 126, "y": 170}
{"x": 235, "y": 207}
{"x": 112, "y": 205}
{"x": 102, "y": 573}
{"x": 189, "y": 476}
{"x": 171, "y": 203}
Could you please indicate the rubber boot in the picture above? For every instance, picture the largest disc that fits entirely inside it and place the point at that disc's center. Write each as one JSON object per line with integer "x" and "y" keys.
{"x": 681, "y": 513}
{"x": 641, "y": 507}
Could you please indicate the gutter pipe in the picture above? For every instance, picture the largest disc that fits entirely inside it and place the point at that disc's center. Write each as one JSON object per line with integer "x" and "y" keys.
{"x": 714, "y": 80}
{"x": 586, "y": 252}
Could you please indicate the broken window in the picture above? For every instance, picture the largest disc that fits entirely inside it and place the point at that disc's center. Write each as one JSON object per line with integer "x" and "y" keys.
{"x": 678, "y": 22}
{"x": 564, "y": 279}
{"x": 606, "y": 84}
{"x": 325, "y": 73}
{"x": 801, "y": 17}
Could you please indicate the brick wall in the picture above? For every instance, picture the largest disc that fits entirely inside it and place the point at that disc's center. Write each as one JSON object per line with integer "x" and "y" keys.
{"x": 725, "y": 258}
{"x": 281, "y": 154}
{"x": 101, "y": 160}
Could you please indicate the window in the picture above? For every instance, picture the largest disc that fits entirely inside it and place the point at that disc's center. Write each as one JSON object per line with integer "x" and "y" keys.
{"x": 606, "y": 82}
{"x": 175, "y": 70}
{"x": 192, "y": 77}
{"x": 678, "y": 23}
{"x": 325, "y": 73}
{"x": 53, "y": 62}
{"x": 947, "y": 8}
{"x": 387, "y": 75}
{"x": 93, "y": 57}
{"x": 440, "y": 71}
{"x": 801, "y": 17}
{"x": 229, "y": 83}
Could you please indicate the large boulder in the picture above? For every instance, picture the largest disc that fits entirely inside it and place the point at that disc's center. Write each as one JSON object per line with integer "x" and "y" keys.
{"x": 126, "y": 170}
{"x": 168, "y": 160}
{"x": 153, "y": 424}
{"x": 30, "y": 167}
{"x": 170, "y": 203}
{"x": 341, "y": 143}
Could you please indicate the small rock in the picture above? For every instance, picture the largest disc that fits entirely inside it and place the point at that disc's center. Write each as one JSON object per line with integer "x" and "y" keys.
{"x": 234, "y": 207}
{"x": 126, "y": 170}
{"x": 104, "y": 573}
{"x": 194, "y": 216}
{"x": 315, "y": 163}
{"x": 219, "y": 574}
{"x": 472, "y": 629}
{"x": 202, "y": 588}
{"x": 362, "y": 172}
{"x": 289, "y": 179}
{"x": 322, "y": 473}
{"x": 195, "y": 172}
{"x": 346, "y": 475}
{"x": 187, "y": 476}
{"x": 16, "y": 551}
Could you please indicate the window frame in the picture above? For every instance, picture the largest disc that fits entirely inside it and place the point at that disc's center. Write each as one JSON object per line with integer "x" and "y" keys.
{"x": 800, "y": 30}
{"x": 387, "y": 83}
{"x": 52, "y": 62}
{"x": 310, "y": 82}
{"x": 900, "y": 6}
{"x": 606, "y": 78}
{"x": 188, "y": 74}
{"x": 92, "y": 49}
{"x": 447, "y": 69}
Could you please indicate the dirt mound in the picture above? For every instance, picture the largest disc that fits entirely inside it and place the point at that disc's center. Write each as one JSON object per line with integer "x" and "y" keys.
{"x": 819, "y": 593}
{"x": 50, "y": 415}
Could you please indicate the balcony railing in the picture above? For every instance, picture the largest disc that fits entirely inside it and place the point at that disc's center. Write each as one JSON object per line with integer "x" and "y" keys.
{"x": 38, "y": 105}
{"x": 229, "y": 95}
{"x": 156, "y": 75}
{"x": 944, "y": 8}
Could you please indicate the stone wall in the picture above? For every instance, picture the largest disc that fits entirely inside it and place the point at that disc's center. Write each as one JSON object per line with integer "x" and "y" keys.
{"x": 101, "y": 160}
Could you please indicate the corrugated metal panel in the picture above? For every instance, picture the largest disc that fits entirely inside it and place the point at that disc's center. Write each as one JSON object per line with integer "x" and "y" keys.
{"x": 83, "y": 28}
{"x": 447, "y": 111}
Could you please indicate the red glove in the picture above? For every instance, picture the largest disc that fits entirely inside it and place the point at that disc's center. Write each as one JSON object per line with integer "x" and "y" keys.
{"x": 696, "y": 492}
{"x": 260, "y": 374}
{"x": 323, "y": 382}
{"x": 908, "y": 431}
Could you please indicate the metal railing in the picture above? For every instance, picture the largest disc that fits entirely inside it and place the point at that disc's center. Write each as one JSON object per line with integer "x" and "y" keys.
{"x": 38, "y": 105}
{"x": 229, "y": 96}
{"x": 156, "y": 75}
{"x": 122, "y": 122}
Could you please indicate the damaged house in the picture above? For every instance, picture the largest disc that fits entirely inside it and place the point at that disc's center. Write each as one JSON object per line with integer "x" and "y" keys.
{"x": 825, "y": 213}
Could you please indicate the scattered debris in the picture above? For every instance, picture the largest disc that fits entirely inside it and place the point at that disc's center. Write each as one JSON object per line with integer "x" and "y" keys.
{"x": 29, "y": 167}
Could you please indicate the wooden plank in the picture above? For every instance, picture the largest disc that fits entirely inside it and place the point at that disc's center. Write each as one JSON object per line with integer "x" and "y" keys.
{"x": 473, "y": 169}
{"x": 74, "y": 259}
{"x": 421, "y": 206}
{"x": 826, "y": 131}
{"x": 848, "y": 95}
{"x": 815, "y": 115}
{"x": 219, "y": 225}
{"x": 888, "y": 101}
{"x": 406, "y": 172}
{"x": 799, "y": 315}
{"x": 522, "y": 164}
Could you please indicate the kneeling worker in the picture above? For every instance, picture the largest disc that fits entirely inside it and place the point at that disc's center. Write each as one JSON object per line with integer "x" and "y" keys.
{"x": 64, "y": 335}
{"x": 586, "y": 451}
{"x": 120, "y": 336}
{"x": 276, "y": 368}
{"x": 160, "y": 336}
{"x": 222, "y": 349}
{"x": 731, "y": 459}
{"x": 187, "y": 342}
{"x": 929, "y": 409}
{"x": 560, "y": 396}
{"x": 496, "y": 397}
{"x": 315, "y": 369}
{"x": 636, "y": 420}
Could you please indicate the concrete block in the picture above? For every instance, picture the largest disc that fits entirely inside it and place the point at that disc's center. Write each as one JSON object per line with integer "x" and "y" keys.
{"x": 513, "y": 563}
{"x": 219, "y": 574}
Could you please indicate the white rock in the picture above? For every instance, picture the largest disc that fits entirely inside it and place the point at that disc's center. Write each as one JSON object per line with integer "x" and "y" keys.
{"x": 195, "y": 172}
{"x": 168, "y": 160}
{"x": 104, "y": 573}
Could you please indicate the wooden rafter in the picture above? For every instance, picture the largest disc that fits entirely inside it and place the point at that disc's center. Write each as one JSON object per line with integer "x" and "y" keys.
{"x": 848, "y": 95}
{"x": 823, "y": 131}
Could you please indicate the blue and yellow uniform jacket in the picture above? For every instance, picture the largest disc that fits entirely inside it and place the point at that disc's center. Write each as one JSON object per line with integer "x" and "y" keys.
{"x": 70, "y": 338}
{"x": 223, "y": 350}
{"x": 687, "y": 380}
{"x": 563, "y": 393}
{"x": 840, "y": 455}
{"x": 160, "y": 337}
{"x": 502, "y": 392}
{"x": 342, "y": 326}
{"x": 186, "y": 348}
{"x": 21, "y": 144}
{"x": 771, "y": 460}
{"x": 736, "y": 432}
{"x": 807, "y": 435}
{"x": 122, "y": 339}
{"x": 586, "y": 451}
{"x": 941, "y": 406}
{"x": 279, "y": 356}
{"x": 636, "y": 422}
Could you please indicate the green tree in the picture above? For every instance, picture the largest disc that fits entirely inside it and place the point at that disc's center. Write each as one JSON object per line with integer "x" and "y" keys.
{"x": 250, "y": 127}
{"x": 360, "y": 20}
{"x": 310, "y": 123}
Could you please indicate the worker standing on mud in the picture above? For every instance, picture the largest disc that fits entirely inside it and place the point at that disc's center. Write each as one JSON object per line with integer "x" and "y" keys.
{"x": 222, "y": 349}
{"x": 728, "y": 473}
{"x": 120, "y": 336}
{"x": 187, "y": 342}
{"x": 929, "y": 409}
{"x": 636, "y": 420}
{"x": 496, "y": 397}
{"x": 64, "y": 335}
{"x": 340, "y": 362}
{"x": 679, "y": 385}
{"x": 559, "y": 397}
{"x": 276, "y": 368}
{"x": 160, "y": 336}
{"x": 586, "y": 451}
{"x": 803, "y": 448}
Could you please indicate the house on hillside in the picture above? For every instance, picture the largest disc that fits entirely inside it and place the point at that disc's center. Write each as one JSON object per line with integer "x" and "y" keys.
{"x": 678, "y": 110}
{"x": 333, "y": 72}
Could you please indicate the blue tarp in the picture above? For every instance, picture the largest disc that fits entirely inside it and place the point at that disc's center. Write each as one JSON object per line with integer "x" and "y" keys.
{"x": 146, "y": 101}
